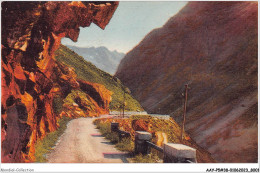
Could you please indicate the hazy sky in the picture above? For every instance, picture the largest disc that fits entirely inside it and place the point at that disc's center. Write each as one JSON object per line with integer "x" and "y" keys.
{"x": 128, "y": 26}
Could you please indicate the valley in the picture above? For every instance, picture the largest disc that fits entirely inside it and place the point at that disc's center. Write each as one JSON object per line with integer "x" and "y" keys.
{"x": 192, "y": 81}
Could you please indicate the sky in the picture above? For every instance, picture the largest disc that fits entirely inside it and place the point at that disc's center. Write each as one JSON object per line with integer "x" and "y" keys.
{"x": 131, "y": 22}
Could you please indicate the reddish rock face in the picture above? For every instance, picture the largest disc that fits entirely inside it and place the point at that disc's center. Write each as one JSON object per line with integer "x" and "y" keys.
{"x": 31, "y": 32}
{"x": 212, "y": 46}
{"x": 99, "y": 93}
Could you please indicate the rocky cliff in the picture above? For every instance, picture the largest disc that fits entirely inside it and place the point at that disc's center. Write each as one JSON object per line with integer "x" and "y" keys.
{"x": 212, "y": 46}
{"x": 31, "y": 77}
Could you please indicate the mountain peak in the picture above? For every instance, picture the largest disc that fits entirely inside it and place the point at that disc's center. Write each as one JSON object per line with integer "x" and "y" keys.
{"x": 101, "y": 57}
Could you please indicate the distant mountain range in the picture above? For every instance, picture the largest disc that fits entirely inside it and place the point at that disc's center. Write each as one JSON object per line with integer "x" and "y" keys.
{"x": 101, "y": 57}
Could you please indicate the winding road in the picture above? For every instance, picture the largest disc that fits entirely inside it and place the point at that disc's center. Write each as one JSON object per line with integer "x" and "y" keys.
{"x": 83, "y": 143}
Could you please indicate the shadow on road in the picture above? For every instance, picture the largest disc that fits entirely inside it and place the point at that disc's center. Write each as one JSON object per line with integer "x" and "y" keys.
{"x": 122, "y": 156}
{"x": 108, "y": 143}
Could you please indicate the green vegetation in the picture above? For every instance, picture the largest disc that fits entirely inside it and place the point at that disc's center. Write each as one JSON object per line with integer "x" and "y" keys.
{"x": 105, "y": 130}
{"x": 45, "y": 145}
{"x": 126, "y": 144}
{"x": 87, "y": 71}
{"x": 85, "y": 100}
{"x": 149, "y": 158}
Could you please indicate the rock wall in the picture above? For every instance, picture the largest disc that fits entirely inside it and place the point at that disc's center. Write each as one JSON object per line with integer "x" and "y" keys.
{"x": 212, "y": 46}
{"x": 31, "y": 32}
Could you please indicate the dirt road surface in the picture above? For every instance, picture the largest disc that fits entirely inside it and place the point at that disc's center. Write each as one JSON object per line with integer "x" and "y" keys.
{"x": 83, "y": 143}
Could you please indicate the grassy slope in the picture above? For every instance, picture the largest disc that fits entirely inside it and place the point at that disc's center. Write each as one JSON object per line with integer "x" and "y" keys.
{"x": 87, "y": 71}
